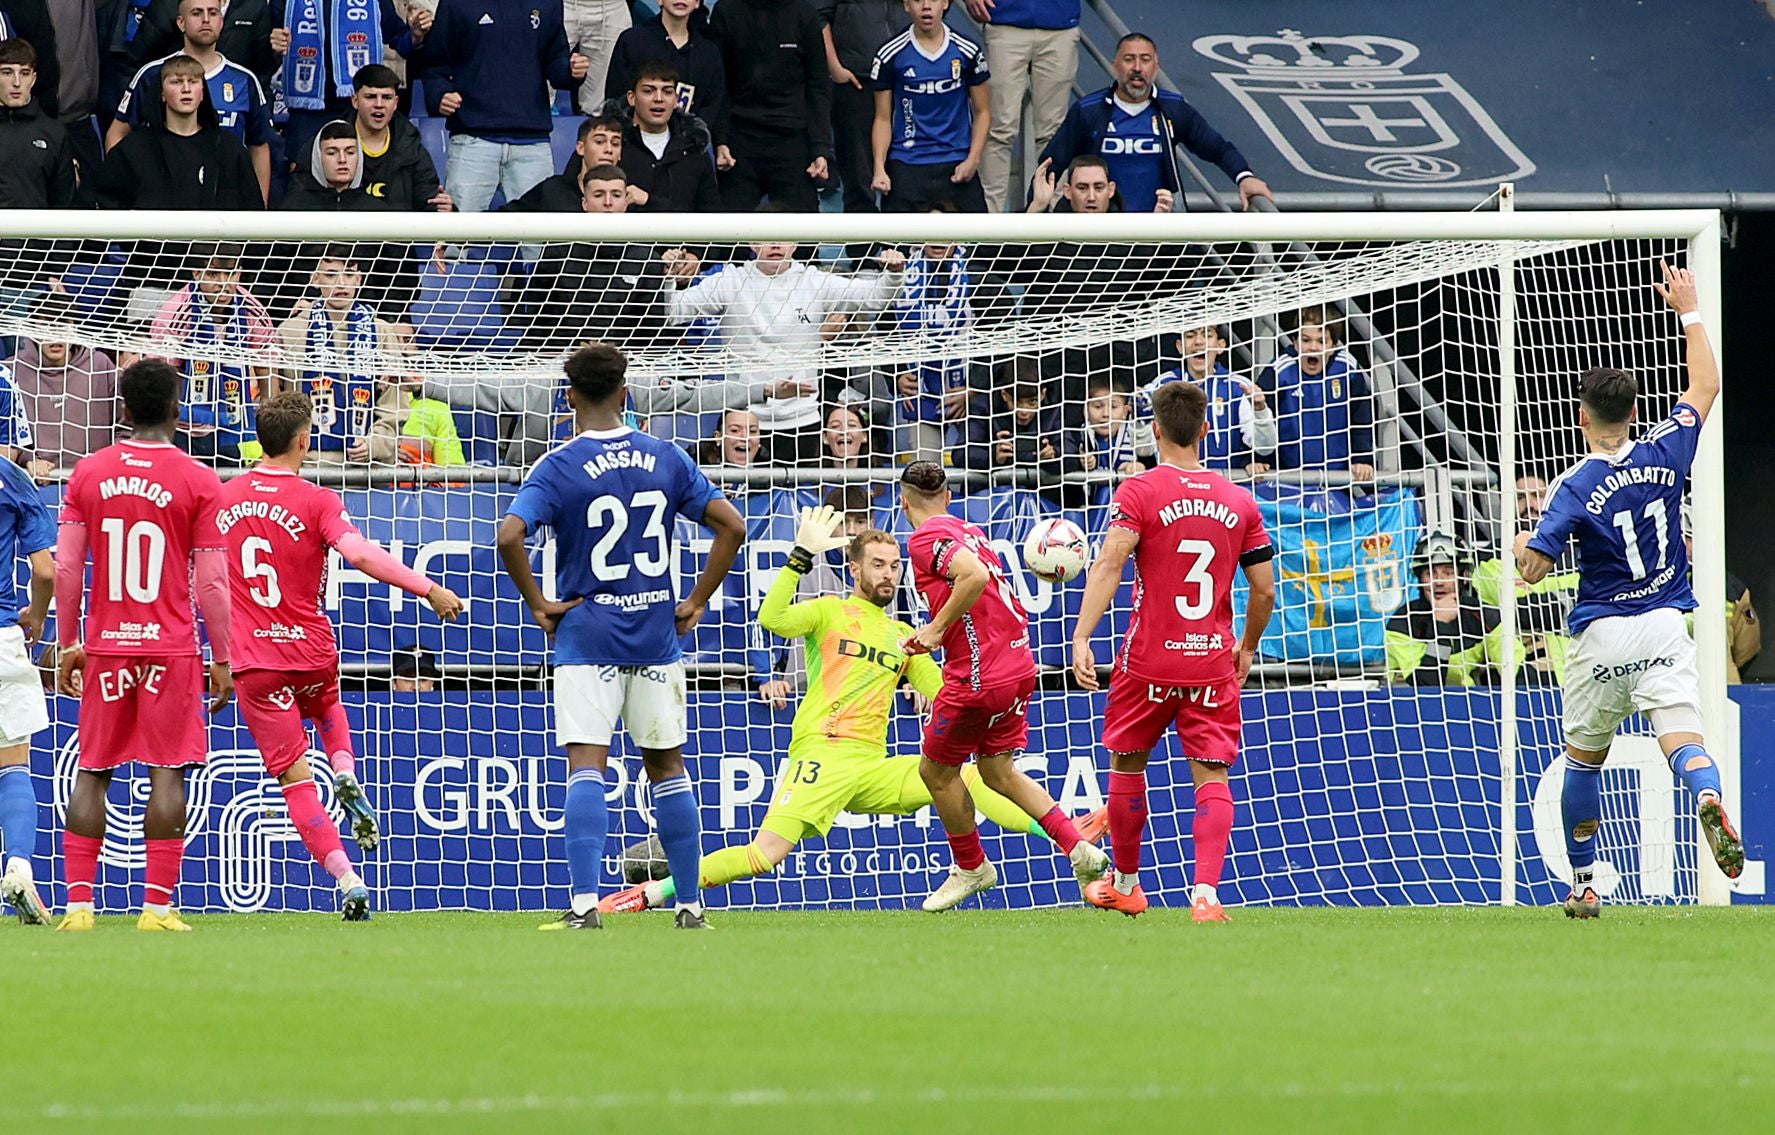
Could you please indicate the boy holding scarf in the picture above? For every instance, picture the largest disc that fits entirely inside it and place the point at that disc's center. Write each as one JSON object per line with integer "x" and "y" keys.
{"x": 209, "y": 328}
{"x": 340, "y": 341}
{"x": 324, "y": 44}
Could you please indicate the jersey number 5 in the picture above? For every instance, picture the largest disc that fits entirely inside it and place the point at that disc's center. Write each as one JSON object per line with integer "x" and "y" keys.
{"x": 1199, "y": 577}
{"x": 260, "y": 575}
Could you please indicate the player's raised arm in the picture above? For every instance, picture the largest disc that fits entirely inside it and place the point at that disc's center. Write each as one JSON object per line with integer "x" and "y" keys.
{"x": 1258, "y": 607}
{"x": 376, "y": 562}
{"x": 729, "y": 527}
{"x": 968, "y": 578}
{"x": 1100, "y": 590}
{"x": 818, "y": 534}
{"x": 514, "y": 553}
{"x": 1678, "y": 290}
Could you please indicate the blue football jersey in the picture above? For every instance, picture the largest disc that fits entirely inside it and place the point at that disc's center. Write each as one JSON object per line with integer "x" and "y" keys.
{"x": 613, "y": 498}
{"x": 15, "y": 430}
{"x": 1626, "y": 514}
{"x": 933, "y": 117}
{"x": 234, "y": 91}
{"x": 1133, "y": 148}
{"x": 25, "y": 527}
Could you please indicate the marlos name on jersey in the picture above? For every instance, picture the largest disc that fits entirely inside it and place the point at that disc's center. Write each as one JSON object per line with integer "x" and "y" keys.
{"x": 1621, "y": 479}
{"x": 152, "y": 491}
{"x": 624, "y": 458}
{"x": 260, "y": 510}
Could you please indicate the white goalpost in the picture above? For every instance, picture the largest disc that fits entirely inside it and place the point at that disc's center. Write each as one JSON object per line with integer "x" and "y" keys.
{"x": 1377, "y": 766}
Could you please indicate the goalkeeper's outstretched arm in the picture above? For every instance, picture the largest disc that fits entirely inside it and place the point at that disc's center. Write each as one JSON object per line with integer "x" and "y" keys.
{"x": 1678, "y": 290}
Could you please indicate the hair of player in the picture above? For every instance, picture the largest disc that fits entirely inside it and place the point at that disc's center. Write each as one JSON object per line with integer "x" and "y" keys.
{"x": 654, "y": 70}
{"x": 1179, "y": 409}
{"x": 596, "y": 371}
{"x": 181, "y": 65}
{"x": 1321, "y": 316}
{"x": 281, "y": 419}
{"x": 1134, "y": 37}
{"x": 606, "y": 172}
{"x": 338, "y": 130}
{"x": 150, "y": 392}
{"x": 1608, "y": 394}
{"x": 1088, "y": 161}
{"x": 924, "y": 481}
{"x": 859, "y": 545}
{"x": 337, "y": 253}
{"x": 606, "y": 122}
{"x": 18, "y": 53}
{"x": 378, "y": 75}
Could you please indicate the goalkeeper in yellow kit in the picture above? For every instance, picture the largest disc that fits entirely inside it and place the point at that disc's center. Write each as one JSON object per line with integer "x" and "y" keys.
{"x": 838, "y": 758}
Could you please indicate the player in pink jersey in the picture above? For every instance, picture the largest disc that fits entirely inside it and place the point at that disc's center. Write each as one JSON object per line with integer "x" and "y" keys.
{"x": 148, "y": 513}
{"x": 988, "y": 677}
{"x": 279, "y": 529}
{"x": 1188, "y": 529}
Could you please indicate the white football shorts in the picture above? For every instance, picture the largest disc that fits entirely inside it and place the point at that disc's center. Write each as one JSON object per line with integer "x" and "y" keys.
{"x": 648, "y": 700}
{"x": 1626, "y": 663}
{"x": 23, "y": 712}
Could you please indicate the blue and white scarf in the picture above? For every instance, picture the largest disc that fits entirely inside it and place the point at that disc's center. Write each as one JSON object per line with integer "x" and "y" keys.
{"x": 934, "y": 302}
{"x": 218, "y": 393}
{"x": 342, "y": 386}
{"x": 356, "y": 43}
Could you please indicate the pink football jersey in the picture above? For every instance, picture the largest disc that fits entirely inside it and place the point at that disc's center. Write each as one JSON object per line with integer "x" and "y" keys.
{"x": 1195, "y": 528}
{"x": 989, "y": 646}
{"x": 279, "y": 530}
{"x": 147, "y": 509}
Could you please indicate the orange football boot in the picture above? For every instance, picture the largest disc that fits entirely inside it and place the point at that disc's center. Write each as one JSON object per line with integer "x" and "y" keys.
{"x": 1203, "y": 910}
{"x": 626, "y": 901}
{"x": 1103, "y": 894}
{"x": 1093, "y": 826}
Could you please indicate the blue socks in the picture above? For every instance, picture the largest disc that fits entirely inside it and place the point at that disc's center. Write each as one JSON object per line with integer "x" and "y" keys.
{"x": 1703, "y": 777}
{"x": 1580, "y": 808}
{"x": 680, "y": 832}
{"x": 18, "y": 812}
{"x": 587, "y": 826}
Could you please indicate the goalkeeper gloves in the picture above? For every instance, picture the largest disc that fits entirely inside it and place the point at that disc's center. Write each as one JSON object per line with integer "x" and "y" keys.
{"x": 820, "y": 532}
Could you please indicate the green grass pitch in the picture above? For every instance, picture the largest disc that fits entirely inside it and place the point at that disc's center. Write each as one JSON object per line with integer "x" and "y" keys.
{"x": 1657, "y": 1020}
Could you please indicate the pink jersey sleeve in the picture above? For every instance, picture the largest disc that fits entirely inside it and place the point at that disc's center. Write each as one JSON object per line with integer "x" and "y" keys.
{"x": 1256, "y": 538}
{"x": 373, "y": 561}
{"x": 70, "y": 579}
{"x": 330, "y": 518}
{"x": 1127, "y": 509}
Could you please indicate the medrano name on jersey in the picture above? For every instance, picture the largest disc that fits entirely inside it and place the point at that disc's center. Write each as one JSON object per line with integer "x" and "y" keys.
{"x": 1200, "y": 506}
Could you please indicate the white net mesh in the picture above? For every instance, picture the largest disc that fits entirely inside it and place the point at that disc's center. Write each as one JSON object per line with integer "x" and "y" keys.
{"x": 1370, "y": 766}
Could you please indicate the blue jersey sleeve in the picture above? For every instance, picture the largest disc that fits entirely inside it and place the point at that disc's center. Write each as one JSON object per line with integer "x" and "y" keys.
{"x": 1558, "y": 523}
{"x": 695, "y": 490}
{"x": 36, "y": 531}
{"x": 977, "y": 70}
{"x": 1675, "y": 438}
{"x": 537, "y": 501}
{"x": 881, "y": 72}
{"x": 13, "y": 430}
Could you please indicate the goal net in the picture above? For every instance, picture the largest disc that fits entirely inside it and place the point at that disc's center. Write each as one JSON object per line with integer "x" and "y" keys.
{"x": 1396, "y": 390}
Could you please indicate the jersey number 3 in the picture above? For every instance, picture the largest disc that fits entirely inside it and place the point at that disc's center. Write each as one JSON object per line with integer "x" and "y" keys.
{"x": 1199, "y": 577}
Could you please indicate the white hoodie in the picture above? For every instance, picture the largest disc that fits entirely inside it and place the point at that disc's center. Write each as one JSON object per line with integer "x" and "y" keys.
{"x": 777, "y": 320}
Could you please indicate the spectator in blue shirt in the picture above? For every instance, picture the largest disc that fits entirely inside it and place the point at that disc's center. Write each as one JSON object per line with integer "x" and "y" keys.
{"x": 1033, "y": 48}
{"x": 235, "y": 94}
{"x": 1134, "y": 125}
{"x": 1241, "y": 424}
{"x": 937, "y": 302}
{"x": 488, "y": 66}
{"x": 1324, "y": 409}
{"x": 932, "y": 112}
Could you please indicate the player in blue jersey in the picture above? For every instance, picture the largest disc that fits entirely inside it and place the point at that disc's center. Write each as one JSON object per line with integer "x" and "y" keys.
{"x": 26, "y": 529}
{"x": 613, "y": 498}
{"x": 1631, "y": 648}
{"x": 932, "y": 113}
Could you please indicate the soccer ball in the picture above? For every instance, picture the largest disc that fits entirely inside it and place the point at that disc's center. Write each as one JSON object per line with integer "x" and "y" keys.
{"x": 1055, "y": 550}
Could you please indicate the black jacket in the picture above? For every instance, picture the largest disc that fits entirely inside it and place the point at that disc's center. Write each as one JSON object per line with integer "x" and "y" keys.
{"x": 860, "y": 27}
{"x": 701, "y": 74}
{"x": 309, "y": 191}
{"x": 613, "y": 293}
{"x": 777, "y": 82}
{"x": 682, "y": 180}
{"x": 30, "y": 21}
{"x": 153, "y": 169}
{"x": 557, "y": 194}
{"x": 36, "y": 163}
{"x": 245, "y": 39}
{"x": 404, "y": 174}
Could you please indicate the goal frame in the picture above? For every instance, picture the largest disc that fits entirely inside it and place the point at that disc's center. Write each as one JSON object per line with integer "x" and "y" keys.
{"x": 1700, "y": 229}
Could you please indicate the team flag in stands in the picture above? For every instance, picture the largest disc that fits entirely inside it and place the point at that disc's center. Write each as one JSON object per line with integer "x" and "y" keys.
{"x": 1342, "y": 567}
